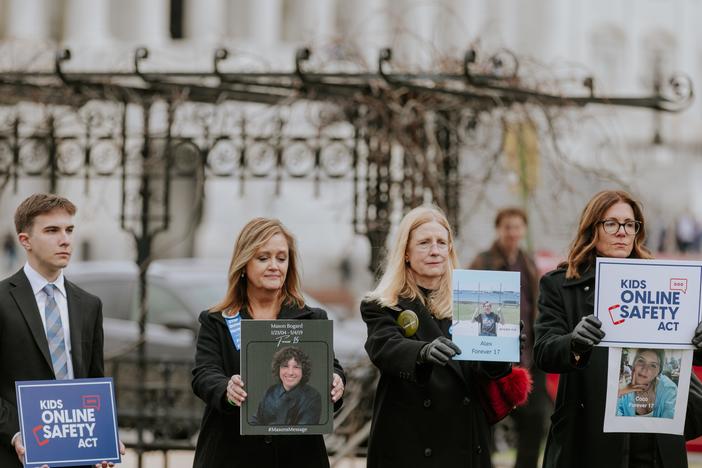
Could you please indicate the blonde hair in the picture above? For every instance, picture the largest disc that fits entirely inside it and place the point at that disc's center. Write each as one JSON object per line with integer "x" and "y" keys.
{"x": 398, "y": 279}
{"x": 252, "y": 237}
{"x": 582, "y": 254}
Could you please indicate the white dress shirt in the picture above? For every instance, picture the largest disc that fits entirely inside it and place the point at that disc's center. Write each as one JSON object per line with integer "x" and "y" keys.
{"x": 38, "y": 282}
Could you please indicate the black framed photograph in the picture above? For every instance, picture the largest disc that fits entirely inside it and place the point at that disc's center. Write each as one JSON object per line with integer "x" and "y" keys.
{"x": 287, "y": 369}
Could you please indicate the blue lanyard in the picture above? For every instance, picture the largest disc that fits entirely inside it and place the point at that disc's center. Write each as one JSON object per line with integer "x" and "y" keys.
{"x": 234, "y": 325}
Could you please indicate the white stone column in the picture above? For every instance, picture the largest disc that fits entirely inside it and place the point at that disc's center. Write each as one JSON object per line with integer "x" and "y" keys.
{"x": 266, "y": 20}
{"x": 418, "y": 41}
{"x": 238, "y": 24}
{"x": 152, "y": 18}
{"x": 28, "y": 19}
{"x": 458, "y": 24}
{"x": 87, "y": 22}
{"x": 205, "y": 20}
{"x": 367, "y": 25}
{"x": 493, "y": 31}
{"x": 325, "y": 19}
{"x": 542, "y": 29}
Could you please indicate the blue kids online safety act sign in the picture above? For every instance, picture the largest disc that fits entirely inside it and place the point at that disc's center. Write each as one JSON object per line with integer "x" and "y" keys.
{"x": 68, "y": 422}
{"x": 651, "y": 303}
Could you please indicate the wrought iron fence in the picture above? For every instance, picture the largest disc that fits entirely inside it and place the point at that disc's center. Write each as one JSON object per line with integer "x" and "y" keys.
{"x": 164, "y": 403}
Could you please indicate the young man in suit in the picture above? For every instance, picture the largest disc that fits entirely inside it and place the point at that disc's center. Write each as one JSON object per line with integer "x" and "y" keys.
{"x": 49, "y": 327}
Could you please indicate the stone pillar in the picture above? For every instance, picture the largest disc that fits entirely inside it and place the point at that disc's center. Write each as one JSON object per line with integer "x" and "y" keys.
{"x": 367, "y": 25}
{"x": 87, "y": 22}
{"x": 543, "y": 29}
{"x": 418, "y": 40}
{"x": 205, "y": 20}
{"x": 238, "y": 23}
{"x": 152, "y": 20}
{"x": 28, "y": 19}
{"x": 267, "y": 21}
{"x": 324, "y": 20}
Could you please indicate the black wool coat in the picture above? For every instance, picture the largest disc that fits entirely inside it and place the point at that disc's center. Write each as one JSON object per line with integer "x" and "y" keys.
{"x": 220, "y": 444}
{"x": 575, "y": 438}
{"x": 423, "y": 415}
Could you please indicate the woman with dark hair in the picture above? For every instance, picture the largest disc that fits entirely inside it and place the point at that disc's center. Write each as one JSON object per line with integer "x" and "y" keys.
{"x": 648, "y": 392}
{"x": 611, "y": 225}
{"x": 290, "y": 401}
{"x": 264, "y": 284}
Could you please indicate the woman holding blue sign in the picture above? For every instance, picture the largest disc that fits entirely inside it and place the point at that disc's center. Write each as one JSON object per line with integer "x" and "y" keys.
{"x": 611, "y": 225}
{"x": 263, "y": 285}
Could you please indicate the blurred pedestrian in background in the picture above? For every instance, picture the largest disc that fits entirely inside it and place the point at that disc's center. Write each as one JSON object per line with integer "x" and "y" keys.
{"x": 687, "y": 233}
{"x": 506, "y": 254}
{"x": 9, "y": 249}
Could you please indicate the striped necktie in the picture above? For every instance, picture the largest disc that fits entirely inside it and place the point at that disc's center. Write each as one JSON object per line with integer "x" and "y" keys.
{"x": 54, "y": 334}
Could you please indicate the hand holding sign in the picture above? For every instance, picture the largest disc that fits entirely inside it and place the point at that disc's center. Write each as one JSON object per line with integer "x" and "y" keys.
{"x": 438, "y": 352}
{"x": 337, "y": 390}
{"x": 104, "y": 464}
{"x": 19, "y": 448}
{"x": 235, "y": 390}
{"x": 697, "y": 339}
{"x": 586, "y": 334}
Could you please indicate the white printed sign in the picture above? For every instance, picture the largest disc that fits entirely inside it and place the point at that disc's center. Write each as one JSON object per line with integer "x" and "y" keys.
{"x": 648, "y": 303}
{"x": 647, "y": 390}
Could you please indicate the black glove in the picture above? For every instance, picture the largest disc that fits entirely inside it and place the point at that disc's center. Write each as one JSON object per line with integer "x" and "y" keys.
{"x": 522, "y": 336}
{"x": 697, "y": 339}
{"x": 587, "y": 333}
{"x": 438, "y": 351}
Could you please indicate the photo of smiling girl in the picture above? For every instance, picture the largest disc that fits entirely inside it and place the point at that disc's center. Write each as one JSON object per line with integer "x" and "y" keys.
{"x": 648, "y": 383}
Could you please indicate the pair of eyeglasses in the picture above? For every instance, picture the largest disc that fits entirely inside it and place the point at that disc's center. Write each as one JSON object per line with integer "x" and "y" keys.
{"x": 642, "y": 363}
{"x": 612, "y": 226}
{"x": 426, "y": 245}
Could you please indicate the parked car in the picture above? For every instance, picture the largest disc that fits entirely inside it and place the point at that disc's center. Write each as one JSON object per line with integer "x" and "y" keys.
{"x": 178, "y": 290}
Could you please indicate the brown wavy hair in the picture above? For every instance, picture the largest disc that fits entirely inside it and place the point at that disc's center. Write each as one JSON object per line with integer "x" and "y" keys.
{"x": 282, "y": 356}
{"x": 582, "y": 254}
{"x": 252, "y": 237}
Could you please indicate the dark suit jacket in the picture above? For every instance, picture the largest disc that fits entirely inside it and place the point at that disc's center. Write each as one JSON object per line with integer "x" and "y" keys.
{"x": 24, "y": 350}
